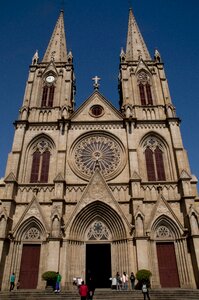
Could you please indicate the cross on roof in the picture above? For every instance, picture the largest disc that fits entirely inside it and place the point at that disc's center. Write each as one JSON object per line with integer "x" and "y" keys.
{"x": 96, "y": 82}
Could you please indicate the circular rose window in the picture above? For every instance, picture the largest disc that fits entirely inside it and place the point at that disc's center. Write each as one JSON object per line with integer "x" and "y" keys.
{"x": 97, "y": 150}
{"x": 96, "y": 110}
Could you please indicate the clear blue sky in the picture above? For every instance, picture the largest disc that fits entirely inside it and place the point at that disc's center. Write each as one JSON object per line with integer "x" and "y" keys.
{"x": 96, "y": 31}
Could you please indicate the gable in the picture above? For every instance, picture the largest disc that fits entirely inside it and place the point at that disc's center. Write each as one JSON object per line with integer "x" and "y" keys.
{"x": 33, "y": 210}
{"x": 87, "y": 112}
{"x": 97, "y": 191}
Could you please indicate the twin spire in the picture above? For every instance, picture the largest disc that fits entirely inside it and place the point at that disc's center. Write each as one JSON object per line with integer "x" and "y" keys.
{"x": 56, "y": 49}
{"x": 135, "y": 47}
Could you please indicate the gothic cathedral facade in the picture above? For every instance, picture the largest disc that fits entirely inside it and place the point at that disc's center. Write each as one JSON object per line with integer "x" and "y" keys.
{"x": 98, "y": 189}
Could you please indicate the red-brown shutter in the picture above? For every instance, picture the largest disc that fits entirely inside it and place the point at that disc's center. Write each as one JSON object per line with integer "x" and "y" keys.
{"x": 35, "y": 167}
{"x": 44, "y": 96}
{"x": 45, "y": 166}
{"x": 149, "y": 95}
{"x": 150, "y": 164}
{"x": 142, "y": 94}
{"x": 51, "y": 96}
{"x": 159, "y": 164}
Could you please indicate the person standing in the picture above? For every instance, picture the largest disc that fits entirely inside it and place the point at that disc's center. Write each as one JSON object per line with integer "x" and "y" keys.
{"x": 118, "y": 281}
{"x": 132, "y": 279}
{"x": 145, "y": 291}
{"x": 91, "y": 288}
{"x": 125, "y": 281}
{"x": 58, "y": 281}
{"x": 83, "y": 291}
{"x": 12, "y": 281}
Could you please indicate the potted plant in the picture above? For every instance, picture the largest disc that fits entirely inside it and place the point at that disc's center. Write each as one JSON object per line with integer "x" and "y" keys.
{"x": 142, "y": 276}
{"x": 50, "y": 278}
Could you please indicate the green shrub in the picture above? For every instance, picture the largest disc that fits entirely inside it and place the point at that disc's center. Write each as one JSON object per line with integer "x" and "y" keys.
{"x": 143, "y": 276}
{"x": 49, "y": 276}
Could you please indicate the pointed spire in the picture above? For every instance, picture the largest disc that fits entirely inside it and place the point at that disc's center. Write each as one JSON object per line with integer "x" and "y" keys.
{"x": 56, "y": 50}
{"x": 135, "y": 46}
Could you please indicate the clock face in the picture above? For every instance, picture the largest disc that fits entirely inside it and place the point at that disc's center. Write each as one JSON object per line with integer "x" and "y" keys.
{"x": 50, "y": 78}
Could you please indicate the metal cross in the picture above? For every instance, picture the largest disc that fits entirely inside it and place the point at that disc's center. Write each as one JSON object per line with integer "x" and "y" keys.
{"x": 96, "y": 82}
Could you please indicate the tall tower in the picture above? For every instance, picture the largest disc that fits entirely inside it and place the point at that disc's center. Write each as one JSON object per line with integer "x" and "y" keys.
{"x": 37, "y": 159}
{"x": 47, "y": 105}
{"x": 159, "y": 169}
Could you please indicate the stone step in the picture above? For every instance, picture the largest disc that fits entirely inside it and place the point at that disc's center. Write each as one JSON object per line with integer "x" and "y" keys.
{"x": 101, "y": 294}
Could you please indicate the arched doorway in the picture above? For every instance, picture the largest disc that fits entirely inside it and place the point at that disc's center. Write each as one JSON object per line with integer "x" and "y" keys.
{"x": 98, "y": 254}
{"x": 170, "y": 250}
{"x": 98, "y": 235}
{"x": 31, "y": 235}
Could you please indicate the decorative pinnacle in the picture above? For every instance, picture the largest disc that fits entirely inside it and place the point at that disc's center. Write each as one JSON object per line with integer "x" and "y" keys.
{"x": 96, "y": 84}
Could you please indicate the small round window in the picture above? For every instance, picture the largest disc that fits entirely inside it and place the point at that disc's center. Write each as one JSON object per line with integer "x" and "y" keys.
{"x": 97, "y": 110}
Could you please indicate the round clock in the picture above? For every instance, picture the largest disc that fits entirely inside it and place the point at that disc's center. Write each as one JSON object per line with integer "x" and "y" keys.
{"x": 50, "y": 78}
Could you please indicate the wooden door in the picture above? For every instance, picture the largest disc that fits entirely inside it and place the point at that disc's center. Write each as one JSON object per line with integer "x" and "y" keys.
{"x": 167, "y": 265}
{"x": 29, "y": 266}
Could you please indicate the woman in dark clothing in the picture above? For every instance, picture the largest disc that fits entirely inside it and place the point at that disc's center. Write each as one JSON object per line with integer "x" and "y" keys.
{"x": 91, "y": 288}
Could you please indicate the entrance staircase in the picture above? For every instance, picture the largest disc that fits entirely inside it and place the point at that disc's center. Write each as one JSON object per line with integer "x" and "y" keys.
{"x": 103, "y": 294}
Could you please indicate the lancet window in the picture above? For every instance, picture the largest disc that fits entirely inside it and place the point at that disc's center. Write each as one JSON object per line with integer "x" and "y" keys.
{"x": 40, "y": 163}
{"x": 144, "y": 88}
{"x": 154, "y": 156}
{"x": 48, "y": 95}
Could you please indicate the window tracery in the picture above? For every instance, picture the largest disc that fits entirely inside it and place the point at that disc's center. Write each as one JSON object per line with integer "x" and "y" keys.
{"x": 163, "y": 232}
{"x": 32, "y": 234}
{"x": 40, "y": 162}
{"x": 144, "y": 88}
{"x": 97, "y": 150}
{"x": 98, "y": 231}
{"x": 154, "y": 159}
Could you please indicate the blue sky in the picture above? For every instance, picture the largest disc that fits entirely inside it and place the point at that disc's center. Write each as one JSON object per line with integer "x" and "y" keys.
{"x": 96, "y": 31}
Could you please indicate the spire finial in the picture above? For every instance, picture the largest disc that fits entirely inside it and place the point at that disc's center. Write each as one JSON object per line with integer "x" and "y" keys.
{"x": 96, "y": 82}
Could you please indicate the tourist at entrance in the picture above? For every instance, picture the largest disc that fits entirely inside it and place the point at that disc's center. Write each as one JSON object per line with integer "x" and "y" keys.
{"x": 145, "y": 291}
{"x": 132, "y": 279}
{"x": 124, "y": 281}
{"x": 91, "y": 287}
{"x": 58, "y": 282}
{"x": 83, "y": 291}
{"x": 12, "y": 281}
{"x": 118, "y": 281}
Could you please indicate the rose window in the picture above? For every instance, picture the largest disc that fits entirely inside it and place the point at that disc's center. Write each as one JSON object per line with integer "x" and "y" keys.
{"x": 100, "y": 151}
{"x": 163, "y": 232}
{"x": 98, "y": 231}
{"x": 32, "y": 234}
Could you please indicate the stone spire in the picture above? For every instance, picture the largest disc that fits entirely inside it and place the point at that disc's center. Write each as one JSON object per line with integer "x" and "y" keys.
{"x": 57, "y": 46}
{"x": 135, "y": 46}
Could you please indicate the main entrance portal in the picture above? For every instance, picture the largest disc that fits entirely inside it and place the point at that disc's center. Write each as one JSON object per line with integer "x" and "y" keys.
{"x": 98, "y": 264}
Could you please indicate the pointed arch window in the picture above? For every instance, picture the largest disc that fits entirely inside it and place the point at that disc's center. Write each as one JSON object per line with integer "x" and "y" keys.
{"x": 40, "y": 164}
{"x": 145, "y": 89}
{"x": 142, "y": 94}
{"x": 154, "y": 161}
{"x": 150, "y": 164}
{"x": 159, "y": 164}
{"x": 48, "y": 96}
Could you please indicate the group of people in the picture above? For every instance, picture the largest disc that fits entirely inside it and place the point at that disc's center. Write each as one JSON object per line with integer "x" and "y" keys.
{"x": 87, "y": 291}
{"x": 122, "y": 282}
